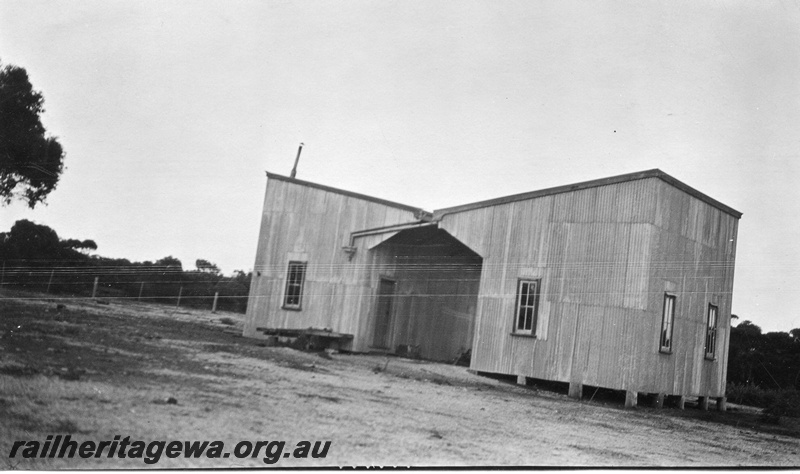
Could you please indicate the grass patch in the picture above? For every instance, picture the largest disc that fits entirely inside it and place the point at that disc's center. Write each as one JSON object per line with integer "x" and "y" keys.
{"x": 750, "y": 395}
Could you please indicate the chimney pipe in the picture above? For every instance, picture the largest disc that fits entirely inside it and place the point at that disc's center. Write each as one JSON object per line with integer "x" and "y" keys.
{"x": 296, "y": 160}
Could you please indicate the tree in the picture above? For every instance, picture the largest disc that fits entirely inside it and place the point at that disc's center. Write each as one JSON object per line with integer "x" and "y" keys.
{"x": 745, "y": 354}
{"x": 30, "y": 241}
{"x": 206, "y": 267}
{"x": 768, "y": 360}
{"x": 240, "y": 275}
{"x": 31, "y": 163}
{"x": 171, "y": 263}
{"x": 82, "y": 245}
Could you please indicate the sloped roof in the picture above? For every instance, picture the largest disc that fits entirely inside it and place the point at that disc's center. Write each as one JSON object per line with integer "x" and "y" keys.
{"x": 654, "y": 173}
{"x": 439, "y": 213}
{"x": 346, "y": 193}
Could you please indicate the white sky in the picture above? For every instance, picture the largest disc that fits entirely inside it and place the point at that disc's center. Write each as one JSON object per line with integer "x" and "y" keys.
{"x": 171, "y": 111}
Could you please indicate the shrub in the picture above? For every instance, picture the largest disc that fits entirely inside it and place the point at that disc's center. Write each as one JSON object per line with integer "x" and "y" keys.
{"x": 776, "y": 403}
{"x": 751, "y": 395}
{"x": 786, "y": 404}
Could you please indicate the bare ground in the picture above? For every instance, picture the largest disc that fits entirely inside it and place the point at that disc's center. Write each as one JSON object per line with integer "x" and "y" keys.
{"x": 99, "y": 370}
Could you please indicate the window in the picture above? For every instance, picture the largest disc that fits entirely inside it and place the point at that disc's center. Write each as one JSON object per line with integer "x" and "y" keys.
{"x": 711, "y": 332}
{"x": 295, "y": 277}
{"x": 527, "y": 306}
{"x": 667, "y": 321}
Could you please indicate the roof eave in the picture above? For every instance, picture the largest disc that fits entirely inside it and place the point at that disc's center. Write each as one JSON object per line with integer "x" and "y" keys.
{"x": 420, "y": 213}
{"x": 653, "y": 173}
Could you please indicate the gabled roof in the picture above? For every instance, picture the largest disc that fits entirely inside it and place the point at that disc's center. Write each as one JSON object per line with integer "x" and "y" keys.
{"x": 654, "y": 173}
{"x": 439, "y": 213}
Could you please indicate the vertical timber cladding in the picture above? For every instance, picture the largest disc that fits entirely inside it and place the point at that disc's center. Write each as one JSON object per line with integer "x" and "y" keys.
{"x": 605, "y": 254}
{"x": 311, "y": 223}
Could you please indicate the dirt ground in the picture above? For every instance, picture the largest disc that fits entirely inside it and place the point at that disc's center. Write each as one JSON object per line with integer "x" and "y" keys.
{"x": 96, "y": 370}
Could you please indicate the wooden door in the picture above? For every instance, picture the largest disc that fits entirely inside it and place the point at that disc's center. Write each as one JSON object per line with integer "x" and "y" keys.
{"x": 383, "y": 316}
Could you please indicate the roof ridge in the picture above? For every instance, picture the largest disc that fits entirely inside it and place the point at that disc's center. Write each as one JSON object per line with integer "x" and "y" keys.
{"x": 651, "y": 173}
{"x": 439, "y": 213}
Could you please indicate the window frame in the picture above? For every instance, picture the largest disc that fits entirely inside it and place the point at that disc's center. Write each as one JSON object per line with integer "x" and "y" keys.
{"x": 667, "y": 324}
{"x": 711, "y": 332}
{"x": 518, "y": 307}
{"x": 291, "y": 284}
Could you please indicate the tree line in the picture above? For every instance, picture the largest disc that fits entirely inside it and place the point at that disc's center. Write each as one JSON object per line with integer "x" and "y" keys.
{"x": 770, "y": 361}
{"x": 35, "y": 258}
{"x": 764, "y": 370}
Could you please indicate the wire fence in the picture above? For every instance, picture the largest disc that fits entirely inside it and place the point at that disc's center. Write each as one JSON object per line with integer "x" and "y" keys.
{"x": 153, "y": 284}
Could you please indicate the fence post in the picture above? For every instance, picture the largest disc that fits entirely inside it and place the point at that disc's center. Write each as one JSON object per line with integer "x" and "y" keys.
{"x": 94, "y": 289}
{"x": 214, "y": 306}
{"x": 141, "y": 288}
{"x": 51, "y": 280}
{"x": 180, "y": 290}
{"x": 3, "y": 275}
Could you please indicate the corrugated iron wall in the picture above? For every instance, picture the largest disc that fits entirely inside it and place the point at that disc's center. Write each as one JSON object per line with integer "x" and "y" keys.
{"x": 436, "y": 299}
{"x": 312, "y": 225}
{"x": 605, "y": 255}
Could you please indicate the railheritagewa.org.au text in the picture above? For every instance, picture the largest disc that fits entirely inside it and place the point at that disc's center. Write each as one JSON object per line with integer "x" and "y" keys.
{"x": 63, "y": 446}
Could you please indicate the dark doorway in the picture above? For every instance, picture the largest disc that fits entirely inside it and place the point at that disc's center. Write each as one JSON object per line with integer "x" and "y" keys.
{"x": 435, "y": 280}
{"x": 383, "y": 318}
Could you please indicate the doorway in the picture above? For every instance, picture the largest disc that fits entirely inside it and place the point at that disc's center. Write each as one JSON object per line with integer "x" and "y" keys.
{"x": 383, "y": 316}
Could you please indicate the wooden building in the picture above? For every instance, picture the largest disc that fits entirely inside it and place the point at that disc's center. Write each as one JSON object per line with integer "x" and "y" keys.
{"x": 622, "y": 283}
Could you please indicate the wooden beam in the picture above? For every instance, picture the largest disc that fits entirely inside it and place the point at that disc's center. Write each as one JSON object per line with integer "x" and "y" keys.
{"x": 722, "y": 403}
{"x": 658, "y": 400}
{"x": 285, "y": 332}
{"x": 575, "y": 390}
{"x": 702, "y": 402}
{"x": 630, "y": 398}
